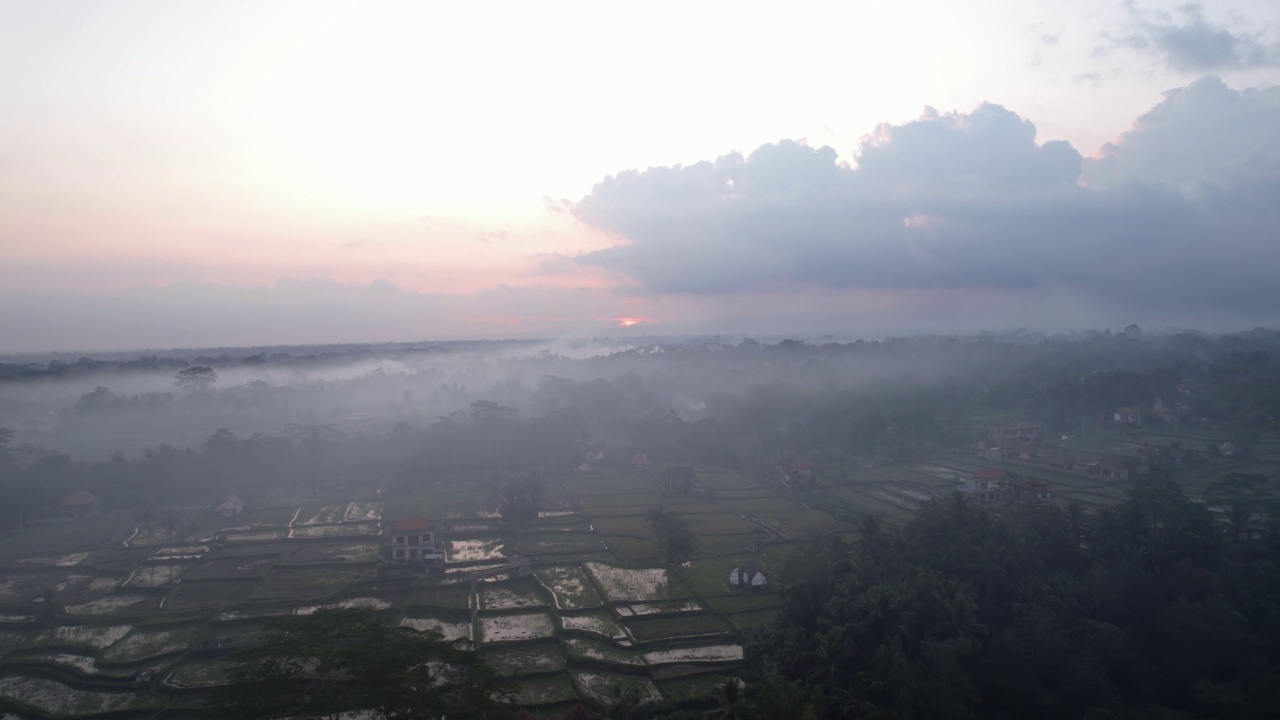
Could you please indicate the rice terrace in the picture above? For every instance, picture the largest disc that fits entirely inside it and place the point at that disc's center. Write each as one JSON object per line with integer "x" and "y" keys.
{"x": 101, "y": 615}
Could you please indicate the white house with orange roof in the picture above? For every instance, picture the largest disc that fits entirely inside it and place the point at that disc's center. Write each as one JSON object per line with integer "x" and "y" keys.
{"x": 413, "y": 540}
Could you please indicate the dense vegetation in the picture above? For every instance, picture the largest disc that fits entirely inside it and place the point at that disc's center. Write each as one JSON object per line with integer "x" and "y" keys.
{"x": 1151, "y": 609}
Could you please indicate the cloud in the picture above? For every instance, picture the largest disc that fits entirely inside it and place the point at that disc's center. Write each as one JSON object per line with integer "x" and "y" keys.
{"x": 1172, "y": 217}
{"x": 1204, "y": 132}
{"x": 1187, "y": 42}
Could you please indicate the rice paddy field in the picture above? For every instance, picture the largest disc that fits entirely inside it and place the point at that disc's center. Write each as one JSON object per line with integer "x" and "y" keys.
{"x": 574, "y": 605}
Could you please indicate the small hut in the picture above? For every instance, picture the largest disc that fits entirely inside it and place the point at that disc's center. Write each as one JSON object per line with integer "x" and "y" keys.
{"x": 230, "y": 507}
{"x": 80, "y": 502}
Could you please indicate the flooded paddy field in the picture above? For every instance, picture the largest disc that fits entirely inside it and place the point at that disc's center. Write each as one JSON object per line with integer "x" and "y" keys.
{"x": 117, "y": 603}
{"x": 595, "y": 623}
{"x": 635, "y": 584}
{"x": 601, "y": 652}
{"x": 141, "y": 643}
{"x": 94, "y": 637}
{"x": 475, "y": 551}
{"x": 569, "y": 586}
{"x": 361, "y": 603}
{"x": 560, "y": 596}
{"x": 601, "y": 686}
{"x": 526, "y": 658}
{"x": 695, "y": 653}
{"x": 520, "y": 626}
{"x": 54, "y": 698}
{"x": 449, "y": 631}
{"x": 511, "y": 595}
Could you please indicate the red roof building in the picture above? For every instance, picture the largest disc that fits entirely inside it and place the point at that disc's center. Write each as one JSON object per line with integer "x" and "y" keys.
{"x": 412, "y": 540}
{"x": 412, "y": 525}
{"x": 80, "y": 502}
{"x": 231, "y": 506}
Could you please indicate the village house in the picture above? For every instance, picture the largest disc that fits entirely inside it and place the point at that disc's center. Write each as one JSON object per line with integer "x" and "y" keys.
{"x": 1030, "y": 491}
{"x": 796, "y": 473}
{"x": 1015, "y": 431}
{"x": 679, "y": 480}
{"x": 640, "y": 462}
{"x": 1109, "y": 467}
{"x": 1058, "y": 458}
{"x": 750, "y": 574}
{"x": 413, "y": 540}
{"x": 80, "y": 503}
{"x": 230, "y": 507}
{"x": 1128, "y": 416}
{"x": 984, "y": 485}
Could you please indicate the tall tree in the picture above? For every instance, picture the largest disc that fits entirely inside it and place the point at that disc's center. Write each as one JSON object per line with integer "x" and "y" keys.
{"x": 674, "y": 539}
{"x": 197, "y": 378}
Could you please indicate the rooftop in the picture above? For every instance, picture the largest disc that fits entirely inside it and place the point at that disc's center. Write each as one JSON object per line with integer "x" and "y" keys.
{"x": 411, "y": 525}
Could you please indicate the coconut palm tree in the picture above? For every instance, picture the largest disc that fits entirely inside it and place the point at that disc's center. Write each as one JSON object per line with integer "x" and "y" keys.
{"x": 146, "y": 518}
{"x": 731, "y": 702}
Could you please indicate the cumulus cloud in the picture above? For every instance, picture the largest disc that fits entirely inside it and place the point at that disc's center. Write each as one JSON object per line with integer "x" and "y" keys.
{"x": 1188, "y": 42}
{"x": 1168, "y": 218}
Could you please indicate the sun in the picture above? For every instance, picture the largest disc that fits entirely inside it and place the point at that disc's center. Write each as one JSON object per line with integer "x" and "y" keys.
{"x": 629, "y": 321}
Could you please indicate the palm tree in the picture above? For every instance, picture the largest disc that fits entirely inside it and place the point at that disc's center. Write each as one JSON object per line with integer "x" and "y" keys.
{"x": 884, "y": 614}
{"x": 871, "y": 534}
{"x": 993, "y": 567}
{"x": 146, "y": 518}
{"x": 732, "y": 702}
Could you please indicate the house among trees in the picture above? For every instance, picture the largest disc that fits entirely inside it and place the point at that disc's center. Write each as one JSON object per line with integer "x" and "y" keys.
{"x": 1058, "y": 458}
{"x": 593, "y": 457}
{"x": 750, "y": 574}
{"x": 230, "y": 507}
{"x": 984, "y": 485}
{"x": 1109, "y": 467}
{"x": 640, "y": 462}
{"x": 679, "y": 480}
{"x": 1014, "y": 431}
{"x": 80, "y": 503}
{"x": 796, "y": 473}
{"x": 1030, "y": 491}
{"x": 1013, "y": 449}
{"x": 1128, "y": 416}
{"x": 413, "y": 540}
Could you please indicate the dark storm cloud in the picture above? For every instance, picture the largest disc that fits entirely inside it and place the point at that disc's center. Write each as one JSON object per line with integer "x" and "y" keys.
{"x": 1169, "y": 216}
{"x": 1187, "y": 42}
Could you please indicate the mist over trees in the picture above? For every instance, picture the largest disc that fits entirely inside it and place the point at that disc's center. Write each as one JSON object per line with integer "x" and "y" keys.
{"x": 383, "y": 419}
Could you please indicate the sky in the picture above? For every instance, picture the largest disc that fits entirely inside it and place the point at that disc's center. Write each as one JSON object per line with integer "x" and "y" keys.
{"x": 185, "y": 174}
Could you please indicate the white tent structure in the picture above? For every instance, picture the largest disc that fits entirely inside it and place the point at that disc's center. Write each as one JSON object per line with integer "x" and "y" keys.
{"x": 748, "y": 574}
